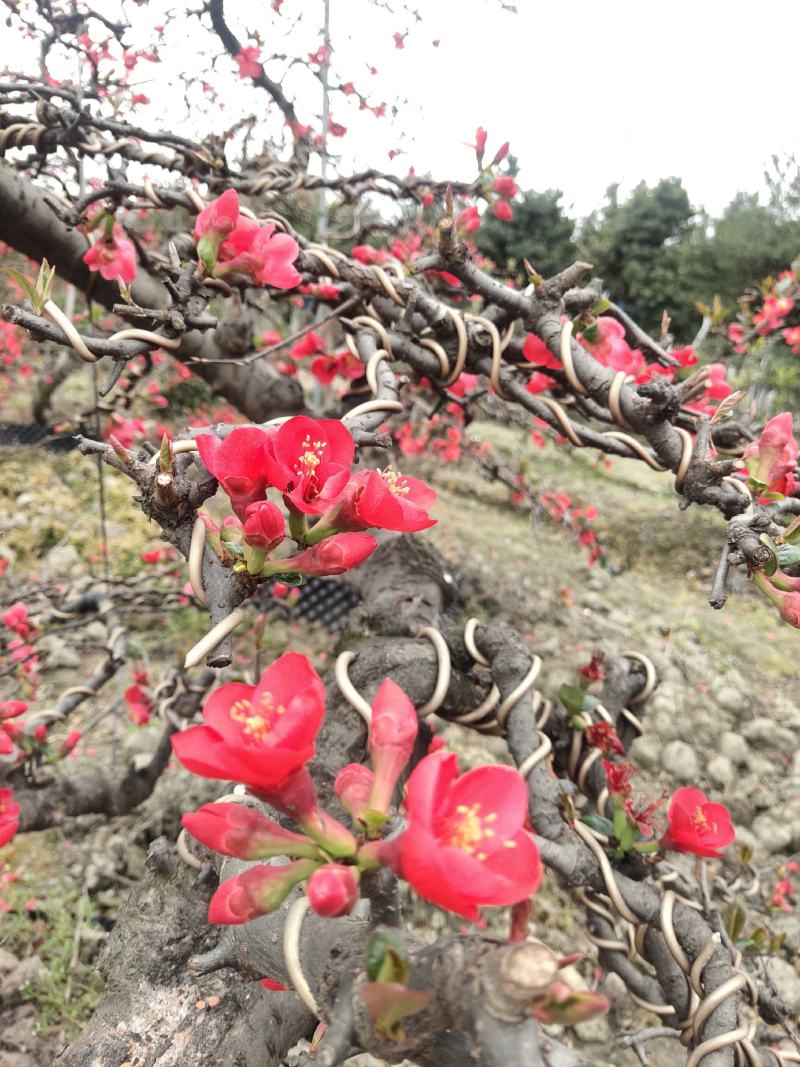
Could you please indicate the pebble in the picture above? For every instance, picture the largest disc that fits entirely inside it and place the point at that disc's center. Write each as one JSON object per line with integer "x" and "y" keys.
{"x": 646, "y": 751}
{"x": 787, "y": 981}
{"x": 730, "y": 699}
{"x": 773, "y": 834}
{"x": 594, "y": 1031}
{"x": 721, "y": 771}
{"x": 734, "y": 747}
{"x": 765, "y": 733}
{"x": 680, "y": 760}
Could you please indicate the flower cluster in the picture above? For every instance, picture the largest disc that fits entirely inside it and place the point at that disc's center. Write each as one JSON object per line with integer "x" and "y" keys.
{"x": 231, "y": 243}
{"x": 308, "y": 462}
{"x": 464, "y": 845}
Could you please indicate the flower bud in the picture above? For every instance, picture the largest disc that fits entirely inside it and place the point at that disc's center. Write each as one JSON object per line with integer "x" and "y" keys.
{"x": 237, "y": 830}
{"x": 257, "y": 891}
{"x": 392, "y": 734}
{"x": 333, "y": 890}
{"x": 264, "y": 525}
{"x": 334, "y": 555}
{"x": 353, "y": 786}
{"x": 69, "y": 743}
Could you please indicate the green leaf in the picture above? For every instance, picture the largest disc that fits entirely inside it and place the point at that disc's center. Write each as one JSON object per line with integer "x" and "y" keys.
{"x": 770, "y": 567}
{"x": 735, "y": 918}
{"x": 387, "y": 960}
{"x": 599, "y": 823}
{"x": 788, "y": 554}
{"x": 389, "y": 1003}
{"x": 29, "y": 287}
{"x": 601, "y": 306}
{"x": 572, "y": 697}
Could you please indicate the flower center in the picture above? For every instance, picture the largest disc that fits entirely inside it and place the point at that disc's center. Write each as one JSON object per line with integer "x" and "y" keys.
{"x": 256, "y": 721}
{"x": 395, "y": 482}
{"x": 701, "y": 823}
{"x": 467, "y": 830}
{"x": 310, "y": 457}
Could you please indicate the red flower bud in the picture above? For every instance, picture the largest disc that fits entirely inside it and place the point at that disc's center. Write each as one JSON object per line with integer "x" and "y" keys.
{"x": 334, "y": 555}
{"x": 392, "y": 734}
{"x": 69, "y": 743}
{"x": 241, "y": 831}
{"x": 333, "y": 890}
{"x": 9, "y": 709}
{"x": 264, "y": 525}
{"x": 353, "y": 786}
{"x": 257, "y": 891}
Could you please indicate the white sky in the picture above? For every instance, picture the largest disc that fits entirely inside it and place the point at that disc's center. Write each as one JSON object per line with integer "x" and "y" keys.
{"x": 588, "y": 94}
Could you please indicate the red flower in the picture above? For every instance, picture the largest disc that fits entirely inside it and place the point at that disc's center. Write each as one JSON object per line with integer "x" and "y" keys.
{"x": 153, "y": 555}
{"x": 696, "y": 824}
{"x": 333, "y": 890}
{"x": 536, "y": 351}
{"x": 334, "y": 555}
{"x": 773, "y": 457}
{"x": 502, "y": 210}
{"x": 309, "y": 461}
{"x": 469, "y": 220}
{"x": 9, "y": 816}
{"x": 392, "y": 733}
{"x": 593, "y": 670}
{"x": 237, "y": 830}
{"x": 618, "y": 776}
{"x": 238, "y": 463}
{"x": 218, "y": 219}
{"x": 505, "y": 186}
{"x": 265, "y": 256}
{"x": 368, "y": 255}
{"x": 247, "y": 61}
{"x": 139, "y": 705}
{"x": 114, "y": 257}
{"x": 258, "y": 735}
{"x": 465, "y": 846}
{"x": 385, "y": 499}
{"x": 611, "y": 349}
{"x": 256, "y": 891}
{"x": 602, "y": 735}
{"x": 264, "y": 526}
{"x": 16, "y": 619}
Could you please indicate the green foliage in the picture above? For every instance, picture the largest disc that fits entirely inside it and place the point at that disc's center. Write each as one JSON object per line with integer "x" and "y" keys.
{"x": 539, "y": 232}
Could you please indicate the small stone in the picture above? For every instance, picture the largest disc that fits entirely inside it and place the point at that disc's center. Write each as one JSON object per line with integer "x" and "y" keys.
{"x": 200, "y": 1005}
{"x": 773, "y": 834}
{"x": 8, "y": 961}
{"x": 679, "y": 760}
{"x": 212, "y": 1001}
{"x": 796, "y": 764}
{"x": 721, "y": 771}
{"x": 646, "y": 751}
{"x": 765, "y": 733}
{"x": 787, "y": 982}
{"x": 666, "y": 724}
{"x": 58, "y": 653}
{"x": 594, "y": 1031}
{"x": 730, "y": 699}
{"x": 734, "y": 747}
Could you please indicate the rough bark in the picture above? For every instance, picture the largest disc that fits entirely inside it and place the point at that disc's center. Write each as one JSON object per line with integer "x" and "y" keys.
{"x": 30, "y": 225}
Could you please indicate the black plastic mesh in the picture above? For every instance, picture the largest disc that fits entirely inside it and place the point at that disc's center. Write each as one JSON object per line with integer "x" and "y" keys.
{"x": 13, "y": 434}
{"x": 323, "y": 600}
